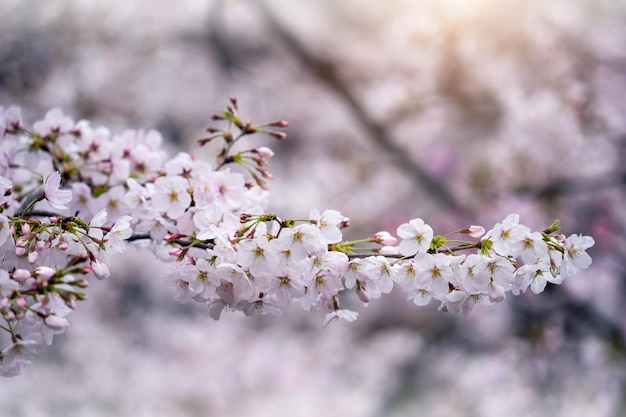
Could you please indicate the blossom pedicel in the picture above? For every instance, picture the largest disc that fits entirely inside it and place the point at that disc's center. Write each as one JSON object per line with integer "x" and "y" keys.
{"x": 72, "y": 194}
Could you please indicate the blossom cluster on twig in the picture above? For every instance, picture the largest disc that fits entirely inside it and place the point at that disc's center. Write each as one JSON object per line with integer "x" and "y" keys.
{"x": 72, "y": 194}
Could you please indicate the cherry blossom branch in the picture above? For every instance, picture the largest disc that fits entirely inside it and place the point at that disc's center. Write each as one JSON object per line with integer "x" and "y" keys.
{"x": 226, "y": 251}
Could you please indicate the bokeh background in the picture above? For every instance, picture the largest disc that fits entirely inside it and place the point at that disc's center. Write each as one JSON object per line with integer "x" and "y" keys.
{"x": 456, "y": 111}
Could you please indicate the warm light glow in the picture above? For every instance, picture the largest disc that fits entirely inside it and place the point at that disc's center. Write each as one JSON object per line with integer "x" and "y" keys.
{"x": 470, "y": 9}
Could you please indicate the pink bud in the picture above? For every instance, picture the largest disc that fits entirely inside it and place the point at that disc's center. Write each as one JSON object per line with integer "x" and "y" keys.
{"x": 278, "y": 135}
{"x": 25, "y": 228}
{"x": 389, "y": 251}
{"x": 21, "y": 302}
{"x": 362, "y": 292}
{"x": 56, "y": 323}
{"x": 43, "y": 272}
{"x": 279, "y": 123}
{"x": 385, "y": 238}
{"x": 20, "y": 275}
{"x": 32, "y": 257}
{"x": 175, "y": 252}
{"x": 264, "y": 152}
{"x": 475, "y": 231}
{"x": 265, "y": 173}
{"x": 100, "y": 269}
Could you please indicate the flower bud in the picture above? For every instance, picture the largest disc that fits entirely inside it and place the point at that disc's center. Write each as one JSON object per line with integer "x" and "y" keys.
{"x": 389, "y": 251}
{"x": 362, "y": 292}
{"x": 100, "y": 269}
{"x": 43, "y": 272}
{"x": 385, "y": 238}
{"x": 20, "y": 275}
{"x": 175, "y": 252}
{"x": 475, "y": 231}
{"x": 332, "y": 303}
{"x": 56, "y": 323}
{"x": 265, "y": 173}
{"x": 279, "y": 123}
{"x": 32, "y": 257}
{"x": 264, "y": 152}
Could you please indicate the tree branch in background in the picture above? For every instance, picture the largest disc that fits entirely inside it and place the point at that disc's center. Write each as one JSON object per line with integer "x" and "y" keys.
{"x": 326, "y": 72}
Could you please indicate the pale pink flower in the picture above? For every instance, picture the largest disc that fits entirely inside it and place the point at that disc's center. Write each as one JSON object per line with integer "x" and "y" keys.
{"x": 171, "y": 196}
{"x": 257, "y": 255}
{"x": 120, "y": 231}
{"x": 10, "y": 119}
{"x": 507, "y": 235}
{"x": 575, "y": 257}
{"x": 434, "y": 273}
{"x": 302, "y": 240}
{"x": 341, "y": 313}
{"x": 416, "y": 237}
{"x": 5, "y": 230}
{"x": 381, "y": 273}
{"x": 532, "y": 247}
{"x": 59, "y": 199}
{"x": 328, "y": 223}
{"x": 54, "y": 122}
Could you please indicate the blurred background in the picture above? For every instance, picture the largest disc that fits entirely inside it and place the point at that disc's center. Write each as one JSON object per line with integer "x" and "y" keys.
{"x": 456, "y": 111}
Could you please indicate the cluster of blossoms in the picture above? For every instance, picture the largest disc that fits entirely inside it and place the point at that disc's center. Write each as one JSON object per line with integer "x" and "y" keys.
{"x": 73, "y": 194}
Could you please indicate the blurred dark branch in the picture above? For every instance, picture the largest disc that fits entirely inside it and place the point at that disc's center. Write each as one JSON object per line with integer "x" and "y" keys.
{"x": 327, "y": 72}
{"x": 216, "y": 38}
{"x": 563, "y": 186}
{"x": 581, "y": 318}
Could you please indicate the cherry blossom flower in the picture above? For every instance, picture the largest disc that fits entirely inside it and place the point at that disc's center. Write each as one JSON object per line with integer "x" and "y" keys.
{"x": 257, "y": 255}
{"x": 120, "y": 231}
{"x": 328, "y": 223}
{"x": 531, "y": 246}
{"x": 416, "y": 237}
{"x": 5, "y": 230}
{"x": 342, "y": 314}
{"x": 57, "y": 198}
{"x": 54, "y": 122}
{"x": 171, "y": 196}
{"x": 434, "y": 273}
{"x": 506, "y": 236}
{"x": 575, "y": 257}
